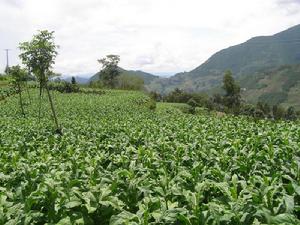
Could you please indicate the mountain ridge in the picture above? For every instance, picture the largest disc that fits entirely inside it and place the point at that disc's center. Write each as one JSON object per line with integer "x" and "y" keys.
{"x": 255, "y": 55}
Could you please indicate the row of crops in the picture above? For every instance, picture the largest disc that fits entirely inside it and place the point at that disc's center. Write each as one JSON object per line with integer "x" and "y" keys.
{"x": 6, "y": 92}
{"x": 118, "y": 162}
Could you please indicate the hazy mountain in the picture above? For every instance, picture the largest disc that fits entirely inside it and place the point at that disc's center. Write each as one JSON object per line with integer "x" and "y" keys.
{"x": 147, "y": 77}
{"x": 256, "y": 55}
{"x": 79, "y": 79}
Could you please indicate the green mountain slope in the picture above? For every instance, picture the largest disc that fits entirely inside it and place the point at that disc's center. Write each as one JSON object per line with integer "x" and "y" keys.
{"x": 279, "y": 86}
{"x": 256, "y": 55}
{"x": 147, "y": 77}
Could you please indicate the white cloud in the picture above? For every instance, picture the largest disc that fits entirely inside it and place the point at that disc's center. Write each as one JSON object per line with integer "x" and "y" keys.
{"x": 157, "y": 36}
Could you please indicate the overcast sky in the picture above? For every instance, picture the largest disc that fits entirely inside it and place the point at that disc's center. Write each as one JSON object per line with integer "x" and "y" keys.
{"x": 157, "y": 36}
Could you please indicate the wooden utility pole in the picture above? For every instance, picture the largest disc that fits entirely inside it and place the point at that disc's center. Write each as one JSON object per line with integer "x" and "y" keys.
{"x": 7, "y": 61}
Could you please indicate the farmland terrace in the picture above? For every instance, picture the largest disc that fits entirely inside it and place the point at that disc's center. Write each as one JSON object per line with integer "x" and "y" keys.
{"x": 119, "y": 162}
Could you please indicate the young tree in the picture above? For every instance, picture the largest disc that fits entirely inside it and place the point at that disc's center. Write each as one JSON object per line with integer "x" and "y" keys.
{"x": 19, "y": 77}
{"x": 232, "y": 97}
{"x": 110, "y": 70}
{"x": 73, "y": 81}
{"x": 39, "y": 55}
{"x": 229, "y": 84}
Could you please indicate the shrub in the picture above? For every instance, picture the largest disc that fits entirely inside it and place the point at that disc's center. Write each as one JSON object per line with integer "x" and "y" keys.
{"x": 278, "y": 112}
{"x": 191, "y": 102}
{"x": 291, "y": 113}
{"x": 151, "y": 104}
{"x": 64, "y": 87}
{"x": 155, "y": 96}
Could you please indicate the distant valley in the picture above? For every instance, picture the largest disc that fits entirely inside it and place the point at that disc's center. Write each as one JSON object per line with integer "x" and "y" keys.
{"x": 266, "y": 67}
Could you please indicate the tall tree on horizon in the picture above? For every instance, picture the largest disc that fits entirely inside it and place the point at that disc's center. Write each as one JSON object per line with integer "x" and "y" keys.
{"x": 110, "y": 70}
{"x": 73, "y": 81}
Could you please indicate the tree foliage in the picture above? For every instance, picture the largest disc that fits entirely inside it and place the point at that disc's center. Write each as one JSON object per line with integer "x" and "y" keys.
{"x": 18, "y": 74}
{"x": 110, "y": 71}
{"x": 130, "y": 82}
{"x": 232, "y": 98}
{"x": 73, "y": 81}
{"x": 39, "y": 56}
{"x": 19, "y": 77}
{"x": 231, "y": 102}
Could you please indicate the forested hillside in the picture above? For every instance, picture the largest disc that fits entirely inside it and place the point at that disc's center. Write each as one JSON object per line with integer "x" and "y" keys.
{"x": 266, "y": 67}
{"x": 279, "y": 86}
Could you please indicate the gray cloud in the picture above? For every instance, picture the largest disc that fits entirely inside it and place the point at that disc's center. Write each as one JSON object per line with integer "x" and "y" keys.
{"x": 153, "y": 35}
{"x": 144, "y": 60}
{"x": 14, "y": 3}
{"x": 290, "y": 7}
{"x": 282, "y": 2}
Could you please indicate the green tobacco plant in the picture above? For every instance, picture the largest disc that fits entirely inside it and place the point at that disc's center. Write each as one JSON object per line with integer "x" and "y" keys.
{"x": 120, "y": 162}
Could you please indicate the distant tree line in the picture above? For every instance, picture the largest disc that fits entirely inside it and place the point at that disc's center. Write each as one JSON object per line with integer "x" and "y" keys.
{"x": 64, "y": 86}
{"x": 231, "y": 102}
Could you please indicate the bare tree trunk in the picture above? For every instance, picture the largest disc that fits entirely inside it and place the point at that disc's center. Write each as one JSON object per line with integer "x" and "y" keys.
{"x": 40, "y": 101}
{"x": 53, "y": 110}
{"x": 27, "y": 90}
{"x": 20, "y": 99}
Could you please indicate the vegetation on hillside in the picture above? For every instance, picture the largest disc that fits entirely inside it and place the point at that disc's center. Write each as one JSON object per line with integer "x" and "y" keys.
{"x": 230, "y": 102}
{"x": 276, "y": 86}
{"x": 265, "y": 67}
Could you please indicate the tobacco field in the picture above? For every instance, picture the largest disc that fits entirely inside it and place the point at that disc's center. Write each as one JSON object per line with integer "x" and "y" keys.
{"x": 118, "y": 162}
